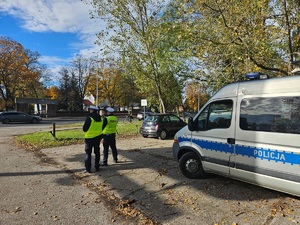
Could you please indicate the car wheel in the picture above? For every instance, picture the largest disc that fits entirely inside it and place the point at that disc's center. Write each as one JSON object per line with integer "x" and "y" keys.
{"x": 145, "y": 135}
{"x": 34, "y": 120}
{"x": 5, "y": 121}
{"x": 191, "y": 166}
{"x": 162, "y": 135}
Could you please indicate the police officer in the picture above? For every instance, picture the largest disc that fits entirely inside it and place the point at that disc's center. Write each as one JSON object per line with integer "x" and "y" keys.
{"x": 109, "y": 135}
{"x": 93, "y": 133}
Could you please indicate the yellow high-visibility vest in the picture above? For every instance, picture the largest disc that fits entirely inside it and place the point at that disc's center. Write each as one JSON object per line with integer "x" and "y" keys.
{"x": 111, "y": 126}
{"x": 94, "y": 130}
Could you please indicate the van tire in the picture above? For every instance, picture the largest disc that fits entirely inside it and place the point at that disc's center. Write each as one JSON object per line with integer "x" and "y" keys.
{"x": 191, "y": 166}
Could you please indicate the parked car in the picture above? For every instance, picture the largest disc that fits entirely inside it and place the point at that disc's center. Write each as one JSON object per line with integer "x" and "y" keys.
{"x": 14, "y": 116}
{"x": 140, "y": 115}
{"x": 161, "y": 125}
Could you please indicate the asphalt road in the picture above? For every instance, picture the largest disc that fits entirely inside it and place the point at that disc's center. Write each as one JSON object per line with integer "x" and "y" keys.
{"x": 46, "y": 124}
{"x": 35, "y": 190}
{"x": 145, "y": 187}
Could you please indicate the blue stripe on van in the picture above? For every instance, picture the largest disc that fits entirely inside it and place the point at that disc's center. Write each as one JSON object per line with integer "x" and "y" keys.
{"x": 216, "y": 146}
{"x": 261, "y": 153}
{"x": 269, "y": 154}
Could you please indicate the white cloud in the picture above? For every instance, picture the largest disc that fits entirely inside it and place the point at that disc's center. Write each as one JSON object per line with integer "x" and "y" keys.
{"x": 60, "y": 16}
{"x": 55, "y": 16}
{"x": 54, "y": 65}
{"x": 53, "y": 61}
{"x": 46, "y": 15}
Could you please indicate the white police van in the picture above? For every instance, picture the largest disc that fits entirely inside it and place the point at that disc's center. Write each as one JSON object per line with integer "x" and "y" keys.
{"x": 248, "y": 131}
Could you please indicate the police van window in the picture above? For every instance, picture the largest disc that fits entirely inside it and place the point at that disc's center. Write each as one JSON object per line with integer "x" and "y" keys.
{"x": 277, "y": 114}
{"x": 217, "y": 115}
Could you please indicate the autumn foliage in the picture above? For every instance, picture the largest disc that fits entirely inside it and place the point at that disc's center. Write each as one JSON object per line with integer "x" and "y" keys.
{"x": 19, "y": 75}
{"x": 194, "y": 93}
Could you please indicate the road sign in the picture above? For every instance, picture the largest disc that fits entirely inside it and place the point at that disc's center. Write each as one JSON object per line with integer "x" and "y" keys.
{"x": 143, "y": 102}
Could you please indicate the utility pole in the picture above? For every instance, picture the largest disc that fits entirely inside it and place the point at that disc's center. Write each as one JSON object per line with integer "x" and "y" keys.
{"x": 97, "y": 79}
{"x": 200, "y": 79}
{"x": 97, "y": 89}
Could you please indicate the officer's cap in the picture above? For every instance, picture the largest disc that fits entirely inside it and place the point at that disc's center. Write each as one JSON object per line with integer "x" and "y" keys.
{"x": 93, "y": 107}
{"x": 110, "y": 109}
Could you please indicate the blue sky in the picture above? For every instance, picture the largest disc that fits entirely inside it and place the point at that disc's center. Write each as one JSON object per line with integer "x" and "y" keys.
{"x": 57, "y": 29}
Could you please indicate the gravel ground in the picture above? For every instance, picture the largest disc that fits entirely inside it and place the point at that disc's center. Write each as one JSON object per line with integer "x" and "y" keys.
{"x": 148, "y": 177}
{"x": 145, "y": 187}
{"x": 36, "y": 192}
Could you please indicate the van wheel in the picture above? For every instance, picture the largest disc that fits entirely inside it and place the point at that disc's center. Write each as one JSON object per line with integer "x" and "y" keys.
{"x": 163, "y": 135}
{"x": 191, "y": 166}
{"x": 145, "y": 135}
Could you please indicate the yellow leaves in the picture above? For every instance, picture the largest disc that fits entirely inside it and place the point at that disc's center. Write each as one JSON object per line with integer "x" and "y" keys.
{"x": 52, "y": 92}
{"x": 273, "y": 212}
{"x": 125, "y": 208}
{"x": 15, "y": 72}
{"x": 293, "y": 220}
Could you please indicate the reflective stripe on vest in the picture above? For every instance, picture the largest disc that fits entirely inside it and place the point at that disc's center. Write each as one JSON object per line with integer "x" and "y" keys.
{"x": 94, "y": 130}
{"x": 111, "y": 126}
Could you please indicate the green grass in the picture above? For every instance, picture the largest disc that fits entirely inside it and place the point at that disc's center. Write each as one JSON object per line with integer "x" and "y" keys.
{"x": 70, "y": 134}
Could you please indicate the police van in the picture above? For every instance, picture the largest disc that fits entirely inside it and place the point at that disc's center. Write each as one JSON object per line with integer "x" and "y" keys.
{"x": 248, "y": 131}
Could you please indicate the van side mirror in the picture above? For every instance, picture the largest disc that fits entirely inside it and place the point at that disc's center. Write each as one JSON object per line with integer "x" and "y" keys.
{"x": 191, "y": 124}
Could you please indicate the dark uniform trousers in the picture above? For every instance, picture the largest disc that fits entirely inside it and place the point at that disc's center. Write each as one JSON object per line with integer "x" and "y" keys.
{"x": 109, "y": 140}
{"x": 89, "y": 145}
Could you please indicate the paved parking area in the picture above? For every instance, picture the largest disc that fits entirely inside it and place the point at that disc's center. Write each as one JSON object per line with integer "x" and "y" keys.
{"x": 148, "y": 177}
{"x": 50, "y": 187}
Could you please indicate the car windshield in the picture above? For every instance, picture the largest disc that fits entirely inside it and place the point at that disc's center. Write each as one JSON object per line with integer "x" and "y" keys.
{"x": 151, "y": 118}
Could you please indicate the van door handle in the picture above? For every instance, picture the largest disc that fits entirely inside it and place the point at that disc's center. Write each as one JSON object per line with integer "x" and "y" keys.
{"x": 231, "y": 141}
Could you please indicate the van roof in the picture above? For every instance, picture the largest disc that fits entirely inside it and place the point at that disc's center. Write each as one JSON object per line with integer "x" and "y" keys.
{"x": 267, "y": 86}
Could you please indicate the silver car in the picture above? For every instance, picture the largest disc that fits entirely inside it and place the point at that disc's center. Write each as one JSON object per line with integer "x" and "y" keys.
{"x": 161, "y": 125}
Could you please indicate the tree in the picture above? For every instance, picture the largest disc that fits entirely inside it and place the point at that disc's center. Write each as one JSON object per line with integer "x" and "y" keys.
{"x": 231, "y": 38}
{"x": 12, "y": 70}
{"x": 36, "y": 73}
{"x": 21, "y": 74}
{"x": 195, "y": 92}
{"x": 69, "y": 98}
{"x": 129, "y": 92}
{"x": 110, "y": 85}
{"x": 64, "y": 88}
{"x": 52, "y": 92}
{"x": 84, "y": 70}
{"x": 143, "y": 46}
